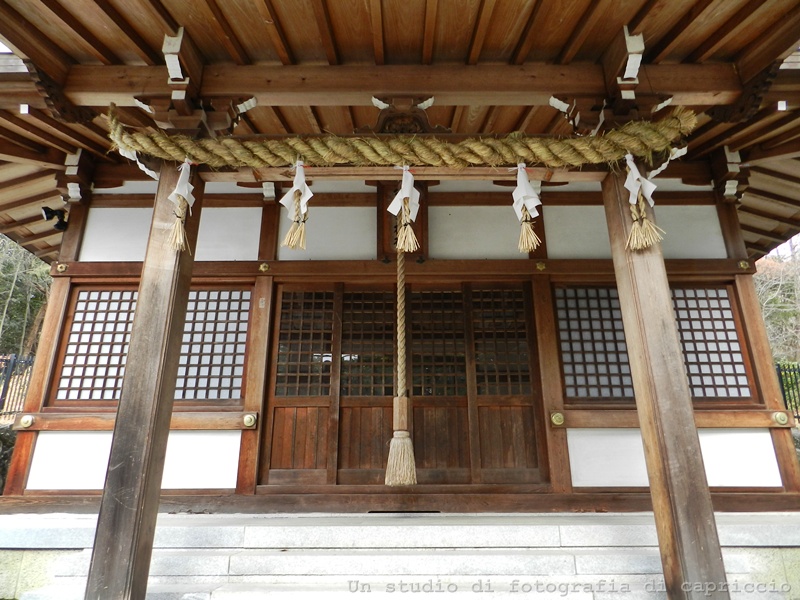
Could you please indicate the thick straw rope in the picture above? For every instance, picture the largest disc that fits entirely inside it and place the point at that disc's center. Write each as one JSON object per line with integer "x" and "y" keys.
{"x": 401, "y": 468}
{"x": 639, "y": 138}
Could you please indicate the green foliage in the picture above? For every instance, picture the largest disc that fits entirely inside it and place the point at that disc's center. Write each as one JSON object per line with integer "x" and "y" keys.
{"x": 24, "y": 289}
{"x": 7, "y": 438}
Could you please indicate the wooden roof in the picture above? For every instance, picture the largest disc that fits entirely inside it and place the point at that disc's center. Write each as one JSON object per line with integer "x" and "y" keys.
{"x": 314, "y": 65}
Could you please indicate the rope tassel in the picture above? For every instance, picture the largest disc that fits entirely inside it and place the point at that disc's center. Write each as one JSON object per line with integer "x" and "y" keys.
{"x": 644, "y": 233}
{"x": 296, "y": 202}
{"x": 401, "y": 468}
{"x": 296, "y": 236}
{"x": 177, "y": 237}
{"x": 528, "y": 240}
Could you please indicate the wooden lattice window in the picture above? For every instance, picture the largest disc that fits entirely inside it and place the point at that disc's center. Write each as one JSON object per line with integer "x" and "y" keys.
{"x": 96, "y": 345}
{"x": 594, "y": 357}
{"x": 502, "y": 365}
{"x": 214, "y": 341}
{"x": 437, "y": 343}
{"x": 368, "y": 332}
{"x": 211, "y": 363}
{"x": 712, "y": 351}
{"x": 305, "y": 340}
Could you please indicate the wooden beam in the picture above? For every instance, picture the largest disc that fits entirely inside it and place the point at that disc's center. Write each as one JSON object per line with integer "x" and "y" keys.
{"x": 453, "y": 85}
{"x": 770, "y": 235}
{"x": 38, "y": 133}
{"x": 774, "y": 197}
{"x": 51, "y": 159}
{"x": 776, "y": 174}
{"x": 85, "y": 37}
{"x": 670, "y": 40}
{"x": 731, "y": 28}
{"x": 684, "y": 516}
{"x": 480, "y": 31}
{"x": 376, "y": 17}
{"x": 759, "y": 154}
{"x": 225, "y": 33}
{"x": 588, "y": 22}
{"x": 28, "y": 42}
{"x": 147, "y": 53}
{"x": 126, "y": 523}
{"x": 275, "y": 31}
{"x": 528, "y": 35}
{"x": 793, "y": 223}
{"x": 777, "y": 41}
{"x": 429, "y": 33}
{"x": 323, "y": 19}
{"x": 79, "y": 140}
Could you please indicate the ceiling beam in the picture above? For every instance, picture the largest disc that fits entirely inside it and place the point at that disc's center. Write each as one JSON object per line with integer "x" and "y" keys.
{"x": 669, "y": 41}
{"x": 148, "y": 54}
{"x": 793, "y": 223}
{"x": 479, "y": 33}
{"x": 37, "y": 133}
{"x": 87, "y": 39}
{"x": 760, "y": 155}
{"x": 453, "y": 85}
{"x": 6, "y": 228}
{"x": 587, "y": 24}
{"x": 429, "y": 33}
{"x": 51, "y": 159}
{"x": 776, "y": 174}
{"x": 275, "y": 31}
{"x": 28, "y": 42}
{"x": 528, "y": 36}
{"x": 726, "y": 32}
{"x": 770, "y": 235}
{"x": 777, "y": 40}
{"x": 225, "y": 33}
{"x": 323, "y": 19}
{"x": 772, "y": 196}
{"x": 376, "y": 17}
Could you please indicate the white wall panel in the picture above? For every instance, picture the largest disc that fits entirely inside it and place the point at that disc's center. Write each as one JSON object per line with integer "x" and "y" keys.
{"x": 116, "y": 234}
{"x": 334, "y": 233}
{"x": 229, "y": 233}
{"x": 690, "y": 231}
{"x": 576, "y": 232}
{"x": 615, "y": 458}
{"x": 473, "y": 232}
{"x": 77, "y": 460}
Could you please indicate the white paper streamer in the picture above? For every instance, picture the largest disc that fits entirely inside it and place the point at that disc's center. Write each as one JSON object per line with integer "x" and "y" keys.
{"x": 526, "y": 193}
{"x": 407, "y": 190}
{"x": 183, "y": 187}
{"x": 636, "y": 181}
{"x": 131, "y": 155}
{"x": 299, "y": 183}
{"x": 673, "y": 154}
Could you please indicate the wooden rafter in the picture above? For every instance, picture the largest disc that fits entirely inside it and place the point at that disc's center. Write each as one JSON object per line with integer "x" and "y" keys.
{"x": 772, "y": 134}
{"x": 732, "y": 27}
{"x": 793, "y": 223}
{"x": 148, "y": 54}
{"x": 770, "y": 235}
{"x": 528, "y": 36}
{"x": 776, "y": 174}
{"x": 167, "y": 21}
{"x": 774, "y": 197}
{"x": 762, "y": 119}
{"x": 777, "y": 40}
{"x": 31, "y": 200}
{"x": 86, "y": 38}
{"x": 480, "y": 31}
{"x": 73, "y": 136}
{"x": 784, "y": 137}
{"x": 429, "y": 31}
{"x": 225, "y": 33}
{"x": 376, "y": 18}
{"x": 787, "y": 150}
{"x": 36, "y": 132}
{"x": 27, "y": 42}
{"x": 49, "y": 159}
{"x": 7, "y": 228}
{"x": 668, "y": 42}
{"x": 21, "y": 140}
{"x": 323, "y": 19}
{"x": 588, "y": 22}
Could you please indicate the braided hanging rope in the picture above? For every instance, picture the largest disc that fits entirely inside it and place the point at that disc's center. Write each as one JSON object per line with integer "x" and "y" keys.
{"x": 401, "y": 466}
{"x": 639, "y": 138}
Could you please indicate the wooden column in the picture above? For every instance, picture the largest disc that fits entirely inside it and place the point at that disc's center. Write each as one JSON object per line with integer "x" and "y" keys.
{"x": 684, "y": 516}
{"x": 126, "y": 524}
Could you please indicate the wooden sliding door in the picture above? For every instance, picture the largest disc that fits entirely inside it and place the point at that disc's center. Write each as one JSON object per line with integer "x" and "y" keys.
{"x": 474, "y": 395}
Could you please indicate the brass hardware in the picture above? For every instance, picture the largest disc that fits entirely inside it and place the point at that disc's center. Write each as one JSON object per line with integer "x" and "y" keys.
{"x": 540, "y": 266}
{"x": 249, "y": 420}
{"x": 557, "y": 419}
{"x": 62, "y": 268}
{"x": 781, "y": 418}
{"x": 263, "y": 267}
{"x": 26, "y": 421}
{"x": 744, "y": 265}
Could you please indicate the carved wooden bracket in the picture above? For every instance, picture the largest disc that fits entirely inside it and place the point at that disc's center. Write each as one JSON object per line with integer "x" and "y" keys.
{"x": 403, "y": 116}
{"x": 748, "y": 103}
{"x": 60, "y": 106}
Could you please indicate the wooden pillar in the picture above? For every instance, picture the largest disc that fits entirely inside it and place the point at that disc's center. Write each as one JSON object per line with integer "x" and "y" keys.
{"x": 124, "y": 539}
{"x": 684, "y": 516}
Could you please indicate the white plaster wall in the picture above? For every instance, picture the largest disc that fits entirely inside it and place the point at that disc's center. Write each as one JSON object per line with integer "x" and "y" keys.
{"x": 116, "y": 234}
{"x": 615, "y": 458}
{"x": 690, "y": 231}
{"x": 77, "y": 460}
{"x": 576, "y": 232}
{"x": 473, "y": 232}
{"x": 334, "y": 233}
{"x": 229, "y": 233}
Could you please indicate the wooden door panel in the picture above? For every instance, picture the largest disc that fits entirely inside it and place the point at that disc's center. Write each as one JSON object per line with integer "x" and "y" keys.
{"x": 300, "y": 438}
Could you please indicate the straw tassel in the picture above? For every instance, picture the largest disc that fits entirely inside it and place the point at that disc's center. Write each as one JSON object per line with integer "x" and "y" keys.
{"x": 528, "y": 240}
{"x": 401, "y": 468}
{"x": 644, "y": 233}
{"x": 296, "y": 236}
{"x": 177, "y": 237}
{"x": 406, "y": 239}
